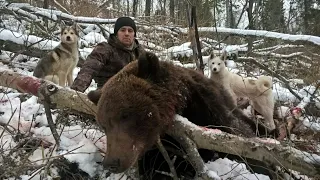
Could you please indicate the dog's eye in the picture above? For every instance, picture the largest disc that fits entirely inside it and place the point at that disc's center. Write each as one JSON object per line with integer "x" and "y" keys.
{"x": 218, "y": 63}
{"x": 71, "y": 33}
{"x": 213, "y": 63}
{"x": 65, "y": 33}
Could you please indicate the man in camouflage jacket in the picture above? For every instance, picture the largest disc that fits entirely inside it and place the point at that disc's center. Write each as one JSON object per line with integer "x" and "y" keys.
{"x": 108, "y": 58}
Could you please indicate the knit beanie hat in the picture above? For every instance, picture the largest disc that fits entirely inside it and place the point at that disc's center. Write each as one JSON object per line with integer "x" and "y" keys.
{"x": 125, "y": 21}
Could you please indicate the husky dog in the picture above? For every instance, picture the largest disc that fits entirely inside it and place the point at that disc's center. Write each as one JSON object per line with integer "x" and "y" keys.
{"x": 258, "y": 91}
{"x": 57, "y": 66}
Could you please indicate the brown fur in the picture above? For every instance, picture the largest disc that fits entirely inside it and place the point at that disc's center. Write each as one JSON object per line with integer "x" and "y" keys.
{"x": 58, "y": 65}
{"x": 140, "y": 102}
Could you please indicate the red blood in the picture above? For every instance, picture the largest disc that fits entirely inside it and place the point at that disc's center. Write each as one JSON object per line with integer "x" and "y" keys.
{"x": 29, "y": 84}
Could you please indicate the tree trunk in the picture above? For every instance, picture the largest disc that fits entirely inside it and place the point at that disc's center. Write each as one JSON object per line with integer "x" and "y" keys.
{"x": 163, "y": 9}
{"x": 171, "y": 7}
{"x": 250, "y": 26}
{"x": 148, "y": 8}
{"x": 21, "y": 49}
{"x": 46, "y": 6}
{"x": 29, "y": 51}
{"x": 232, "y": 18}
{"x": 128, "y": 8}
{"x": 134, "y": 8}
{"x": 228, "y": 15}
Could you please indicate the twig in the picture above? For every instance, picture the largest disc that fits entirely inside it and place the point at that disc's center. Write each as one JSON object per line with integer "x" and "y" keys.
{"x": 46, "y": 103}
{"x": 61, "y": 7}
{"x": 167, "y": 158}
{"x": 193, "y": 155}
{"x": 35, "y": 173}
{"x": 8, "y": 122}
{"x": 133, "y": 172}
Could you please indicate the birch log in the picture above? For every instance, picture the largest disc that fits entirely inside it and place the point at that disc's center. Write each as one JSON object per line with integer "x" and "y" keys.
{"x": 60, "y": 97}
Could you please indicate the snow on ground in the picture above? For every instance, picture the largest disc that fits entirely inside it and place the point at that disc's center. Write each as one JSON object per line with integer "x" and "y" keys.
{"x": 83, "y": 144}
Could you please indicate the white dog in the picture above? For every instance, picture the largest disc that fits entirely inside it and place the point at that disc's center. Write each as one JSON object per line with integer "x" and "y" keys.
{"x": 258, "y": 91}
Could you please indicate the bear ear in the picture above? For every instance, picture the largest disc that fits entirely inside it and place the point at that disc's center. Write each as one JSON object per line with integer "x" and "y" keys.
{"x": 148, "y": 66}
{"x": 94, "y": 96}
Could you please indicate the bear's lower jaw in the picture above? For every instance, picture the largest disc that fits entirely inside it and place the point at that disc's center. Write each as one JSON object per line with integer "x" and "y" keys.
{"x": 121, "y": 165}
{"x": 121, "y": 168}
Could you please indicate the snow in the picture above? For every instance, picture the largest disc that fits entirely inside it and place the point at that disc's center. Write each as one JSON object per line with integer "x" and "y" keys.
{"x": 88, "y": 152}
{"x": 94, "y": 38}
{"x": 19, "y": 38}
{"x": 234, "y": 170}
{"x": 83, "y": 144}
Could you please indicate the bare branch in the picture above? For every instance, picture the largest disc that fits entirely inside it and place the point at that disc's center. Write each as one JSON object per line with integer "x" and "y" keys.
{"x": 167, "y": 158}
{"x": 61, "y": 7}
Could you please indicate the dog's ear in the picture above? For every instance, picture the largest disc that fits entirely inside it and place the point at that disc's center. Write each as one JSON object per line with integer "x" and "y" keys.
{"x": 76, "y": 28}
{"x": 211, "y": 55}
{"x": 94, "y": 96}
{"x": 62, "y": 25}
{"x": 224, "y": 55}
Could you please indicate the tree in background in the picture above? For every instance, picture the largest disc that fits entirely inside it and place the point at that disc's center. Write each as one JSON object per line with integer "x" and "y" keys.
{"x": 272, "y": 16}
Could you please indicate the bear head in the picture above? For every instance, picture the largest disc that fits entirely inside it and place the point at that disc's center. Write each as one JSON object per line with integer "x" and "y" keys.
{"x": 128, "y": 112}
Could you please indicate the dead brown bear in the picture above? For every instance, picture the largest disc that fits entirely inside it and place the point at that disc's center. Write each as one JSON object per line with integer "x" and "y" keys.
{"x": 139, "y": 103}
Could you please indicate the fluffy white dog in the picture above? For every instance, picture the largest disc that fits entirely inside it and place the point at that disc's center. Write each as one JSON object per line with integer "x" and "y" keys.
{"x": 258, "y": 91}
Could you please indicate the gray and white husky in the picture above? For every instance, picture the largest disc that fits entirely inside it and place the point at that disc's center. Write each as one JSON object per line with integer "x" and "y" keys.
{"x": 57, "y": 66}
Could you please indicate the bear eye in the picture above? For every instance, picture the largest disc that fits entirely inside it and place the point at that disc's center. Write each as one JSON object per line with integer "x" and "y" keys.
{"x": 124, "y": 116}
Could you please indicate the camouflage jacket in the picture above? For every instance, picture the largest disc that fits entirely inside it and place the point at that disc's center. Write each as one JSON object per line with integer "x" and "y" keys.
{"x": 104, "y": 61}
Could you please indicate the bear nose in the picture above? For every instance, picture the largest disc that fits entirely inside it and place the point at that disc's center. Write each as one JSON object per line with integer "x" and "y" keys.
{"x": 112, "y": 164}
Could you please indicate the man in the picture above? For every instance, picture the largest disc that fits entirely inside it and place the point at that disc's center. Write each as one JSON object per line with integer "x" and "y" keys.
{"x": 108, "y": 58}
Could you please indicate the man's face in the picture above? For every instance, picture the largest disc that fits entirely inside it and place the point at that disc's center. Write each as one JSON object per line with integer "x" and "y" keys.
{"x": 126, "y": 35}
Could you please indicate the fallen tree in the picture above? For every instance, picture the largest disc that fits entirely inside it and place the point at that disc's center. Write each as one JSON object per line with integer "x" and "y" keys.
{"x": 60, "y": 97}
{"x": 193, "y": 136}
{"x": 21, "y": 49}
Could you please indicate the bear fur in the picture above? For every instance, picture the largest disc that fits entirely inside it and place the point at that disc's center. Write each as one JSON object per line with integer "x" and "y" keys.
{"x": 139, "y": 103}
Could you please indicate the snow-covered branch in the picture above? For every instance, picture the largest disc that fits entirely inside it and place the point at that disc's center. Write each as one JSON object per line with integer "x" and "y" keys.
{"x": 262, "y": 33}
{"x": 27, "y": 10}
{"x": 265, "y": 150}
{"x": 36, "y": 13}
{"x": 27, "y": 40}
{"x": 61, "y": 97}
